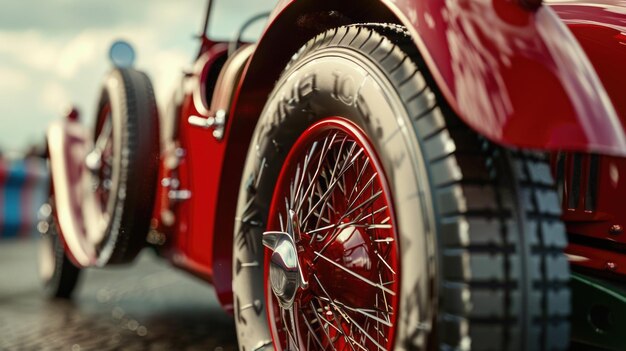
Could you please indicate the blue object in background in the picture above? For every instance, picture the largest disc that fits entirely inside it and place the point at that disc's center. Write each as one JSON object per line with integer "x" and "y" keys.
{"x": 23, "y": 189}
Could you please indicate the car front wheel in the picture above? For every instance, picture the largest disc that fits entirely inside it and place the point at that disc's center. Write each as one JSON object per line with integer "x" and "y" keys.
{"x": 371, "y": 218}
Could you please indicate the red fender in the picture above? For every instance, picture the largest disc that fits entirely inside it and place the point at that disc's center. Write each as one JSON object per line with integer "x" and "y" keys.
{"x": 518, "y": 77}
{"x": 600, "y": 28}
{"x": 515, "y": 76}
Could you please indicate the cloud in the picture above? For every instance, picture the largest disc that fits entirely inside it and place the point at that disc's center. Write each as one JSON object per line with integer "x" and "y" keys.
{"x": 54, "y": 97}
{"x": 69, "y": 16}
{"x": 65, "y": 56}
{"x": 165, "y": 71}
{"x": 79, "y": 52}
{"x": 13, "y": 79}
{"x": 29, "y": 48}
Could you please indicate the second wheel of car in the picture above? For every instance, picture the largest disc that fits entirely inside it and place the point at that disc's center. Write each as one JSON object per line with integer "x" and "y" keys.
{"x": 371, "y": 218}
{"x": 124, "y": 166}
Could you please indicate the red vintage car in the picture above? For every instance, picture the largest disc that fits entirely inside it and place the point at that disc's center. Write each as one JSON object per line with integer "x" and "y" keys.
{"x": 369, "y": 174}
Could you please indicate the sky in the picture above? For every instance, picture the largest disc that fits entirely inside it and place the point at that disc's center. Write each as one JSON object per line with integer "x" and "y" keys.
{"x": 54, "y": 53}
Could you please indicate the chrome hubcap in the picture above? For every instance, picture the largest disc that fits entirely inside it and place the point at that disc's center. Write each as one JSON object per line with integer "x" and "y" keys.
{"x": 286, "y": 276}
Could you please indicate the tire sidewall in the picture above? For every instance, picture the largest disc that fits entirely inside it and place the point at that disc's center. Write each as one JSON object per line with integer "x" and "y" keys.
{"x": 65, "y": 275}
{"x": 51, "y": 244}
{"x": 329, "y": 82}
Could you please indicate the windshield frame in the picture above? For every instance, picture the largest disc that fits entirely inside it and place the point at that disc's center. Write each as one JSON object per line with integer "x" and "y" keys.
{"x": 243, "y": 22}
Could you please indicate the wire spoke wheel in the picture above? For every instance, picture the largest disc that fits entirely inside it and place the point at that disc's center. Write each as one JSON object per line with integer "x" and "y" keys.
{"x": 103, "y": 170}
{"x": 332, "y": 251}
{"x": 438, "y": 240}
{"x": 123, "y": 165}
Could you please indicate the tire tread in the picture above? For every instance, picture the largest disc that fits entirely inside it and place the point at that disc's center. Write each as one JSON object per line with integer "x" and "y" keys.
{"x": 484, "y": 248}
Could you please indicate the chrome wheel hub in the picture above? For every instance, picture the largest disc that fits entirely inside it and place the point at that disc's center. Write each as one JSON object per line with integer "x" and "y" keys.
{"x": 286, "y": 275}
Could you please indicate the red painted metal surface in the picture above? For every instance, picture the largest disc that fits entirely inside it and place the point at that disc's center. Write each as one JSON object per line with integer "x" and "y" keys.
{"x": 609, "y": 210}
{"x": 198, "y": 221}
{"x": 355, "y": 246}
{"x": 600, "y": 28}
{"x": 594, "y": 190}
{"x": 606, "y": 263}
{"x": 518, "y": 77}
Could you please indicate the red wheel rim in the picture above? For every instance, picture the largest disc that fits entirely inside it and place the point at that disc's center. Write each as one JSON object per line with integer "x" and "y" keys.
{"x": 104, "y": 137}
{"x": 332, "y": 262}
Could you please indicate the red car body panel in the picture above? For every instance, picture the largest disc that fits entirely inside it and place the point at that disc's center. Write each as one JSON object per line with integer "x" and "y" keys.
{"x": 198, "y": 171}
{"x": 515, "y": 76}
{"x": 594, "y": 189}
{"x": 518, "y": 77}
{"x": 200, "y": 240}
{"x": 600, "y": 28}
{"x": 596, "y": 215}
{"x": 611, "y": 263}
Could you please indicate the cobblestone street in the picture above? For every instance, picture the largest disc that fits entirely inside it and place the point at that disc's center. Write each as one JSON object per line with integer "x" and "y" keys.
{"x": 149, "y": 306}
